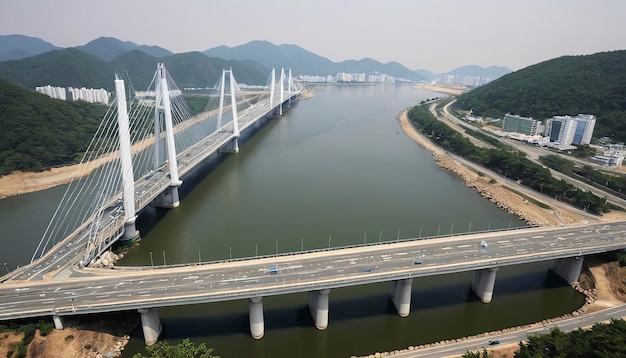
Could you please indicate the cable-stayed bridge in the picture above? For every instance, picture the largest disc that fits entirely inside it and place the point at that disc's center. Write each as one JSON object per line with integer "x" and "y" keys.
{"x": 144, "y": 145}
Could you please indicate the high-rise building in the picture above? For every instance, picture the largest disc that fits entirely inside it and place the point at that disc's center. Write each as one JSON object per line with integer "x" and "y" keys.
{"x": 518, "y": 124}
{"x": 52, "y": 92}
{"x": 566, "y": 130}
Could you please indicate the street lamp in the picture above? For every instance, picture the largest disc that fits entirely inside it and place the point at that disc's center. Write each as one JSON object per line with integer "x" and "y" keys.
{"x": 151, "y": 261}
{"x": 5, "y": 267}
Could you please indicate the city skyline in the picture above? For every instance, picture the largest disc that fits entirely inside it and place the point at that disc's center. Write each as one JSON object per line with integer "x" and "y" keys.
{"x": 434, "y": 35}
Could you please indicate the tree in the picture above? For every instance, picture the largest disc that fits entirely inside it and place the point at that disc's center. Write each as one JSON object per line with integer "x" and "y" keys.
{"x": 483, "y": 354}
{"x": 184, "y": 349}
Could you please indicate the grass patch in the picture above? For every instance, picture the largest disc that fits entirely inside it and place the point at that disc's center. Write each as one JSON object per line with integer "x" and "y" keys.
{"x": 615, "y": 207}
{"x": 532, "y": 200}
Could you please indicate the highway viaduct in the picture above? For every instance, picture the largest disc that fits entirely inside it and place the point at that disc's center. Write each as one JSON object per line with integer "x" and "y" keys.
{"x": 145, "y": 289}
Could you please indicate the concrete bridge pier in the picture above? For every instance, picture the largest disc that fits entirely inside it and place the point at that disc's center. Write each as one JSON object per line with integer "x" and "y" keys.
{"x": 232, "y": 146}
{"x": 169, "y": 198}
{"x": 568, "y": 268}
{"x": 58, "y": 323}
{"x": 130, "y": 230}
{"x": 484, "y": 281}
{"x": 257, "y": 323}
{"x": 150, "y": 324}
{"x": 318, "y": 305}
{"x": 400, "y": 295}
{"x": 275, "y": 112}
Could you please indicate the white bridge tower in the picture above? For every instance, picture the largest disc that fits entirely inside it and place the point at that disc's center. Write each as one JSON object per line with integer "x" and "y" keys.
{"x": 163, "y": 113}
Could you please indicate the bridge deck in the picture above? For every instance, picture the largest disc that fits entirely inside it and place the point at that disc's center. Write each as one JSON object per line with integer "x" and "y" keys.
{"x": 99, "y": 290}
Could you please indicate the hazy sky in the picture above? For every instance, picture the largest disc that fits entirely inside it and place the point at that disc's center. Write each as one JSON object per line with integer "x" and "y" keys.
{"x": 438, "y": 35}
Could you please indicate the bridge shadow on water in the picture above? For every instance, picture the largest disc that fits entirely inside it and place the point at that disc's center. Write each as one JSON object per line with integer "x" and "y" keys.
{"x": 280, "y": 313}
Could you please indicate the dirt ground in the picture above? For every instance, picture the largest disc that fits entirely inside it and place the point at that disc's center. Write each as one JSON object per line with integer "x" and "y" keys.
{"x": 7, "y": 339}
{"x": 89, "y": 336}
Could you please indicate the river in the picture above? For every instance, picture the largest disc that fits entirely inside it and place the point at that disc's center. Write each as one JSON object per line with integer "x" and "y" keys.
{"x": 334, "y": 170}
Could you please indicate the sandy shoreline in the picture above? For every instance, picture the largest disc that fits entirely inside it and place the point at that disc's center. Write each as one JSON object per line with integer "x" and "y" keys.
{"x": 451, "y": 90}
{"x": 18, "y": 183}
{"x": 490, "y": 187}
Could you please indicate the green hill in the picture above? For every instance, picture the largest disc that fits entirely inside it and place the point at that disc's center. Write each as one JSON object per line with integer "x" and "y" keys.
{"x": 569, "y": 85}
{"x": 38, "y": 132}
{"x": 59, "y": 68}
{"x": 74, "y": 68}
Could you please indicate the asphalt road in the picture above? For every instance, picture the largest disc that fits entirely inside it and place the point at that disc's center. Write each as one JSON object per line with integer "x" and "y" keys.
{"x": 477, "y": 344}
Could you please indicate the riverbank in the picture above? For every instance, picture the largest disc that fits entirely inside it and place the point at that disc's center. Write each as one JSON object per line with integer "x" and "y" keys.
{"x": 490, "y": 187}
{"x": 445, "y": 89}
{"x": 18, "y": 183}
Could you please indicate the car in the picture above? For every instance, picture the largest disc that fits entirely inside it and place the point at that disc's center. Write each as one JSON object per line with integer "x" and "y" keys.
{"x": 494, "y": 342}
{"x": 272, "y": 271}
{"x": 367, "y": 269}
{"x": 417, "y": 262}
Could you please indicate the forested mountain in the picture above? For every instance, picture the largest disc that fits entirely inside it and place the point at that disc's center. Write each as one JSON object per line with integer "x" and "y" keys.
{"x": 108, "y": 48}
{"x": 194, "y": 69}
{"x": 37, "y": 132}
{"x": 303, "y": 62}
{"x": 191, "y": 69}
{"x": 568, "y": 85}
{"x": 61, "y": 68}
{"x": 74, "y": 68}
{"x": 15, "y": 47}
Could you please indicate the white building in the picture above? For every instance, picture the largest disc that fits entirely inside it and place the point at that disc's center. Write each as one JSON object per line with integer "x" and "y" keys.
{"x": 85, "y": 94}
{"x": 52, "y": 92}
{"x": 89, "y": 95}
{"x": 566, "y": 130}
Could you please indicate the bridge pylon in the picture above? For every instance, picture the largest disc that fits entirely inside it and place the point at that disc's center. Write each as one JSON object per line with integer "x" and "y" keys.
{"x": 163, "y": 113}
{"x": 282, "y": 90}
{"x": 272, "y": 90}
{"x": 289, "y": 81}
{"x": 233, "y": 146}
{"x": 128, "y": 181}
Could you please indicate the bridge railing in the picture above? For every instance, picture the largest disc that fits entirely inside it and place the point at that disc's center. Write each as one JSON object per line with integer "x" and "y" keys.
{"x": 310, "y": 251}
